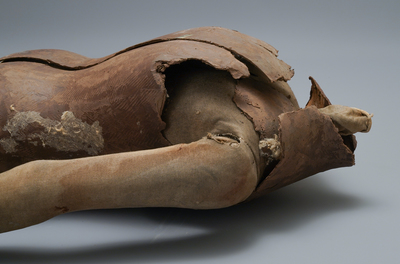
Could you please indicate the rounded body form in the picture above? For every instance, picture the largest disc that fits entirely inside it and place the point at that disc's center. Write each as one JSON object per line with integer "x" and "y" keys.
{"x": 201, "y": 118}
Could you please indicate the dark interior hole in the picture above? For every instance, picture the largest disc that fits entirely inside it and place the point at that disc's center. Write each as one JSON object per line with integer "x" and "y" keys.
{"x": 173, "y": 72}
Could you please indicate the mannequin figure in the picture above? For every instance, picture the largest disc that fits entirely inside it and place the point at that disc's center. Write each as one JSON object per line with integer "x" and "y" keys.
{"x": 201, "y": 118}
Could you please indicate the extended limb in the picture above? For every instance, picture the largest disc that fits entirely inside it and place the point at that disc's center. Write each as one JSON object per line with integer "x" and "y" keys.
{"x": 208, "y": 173}
{"x": 348, "y": 120}
{"x": 218, "y": 167}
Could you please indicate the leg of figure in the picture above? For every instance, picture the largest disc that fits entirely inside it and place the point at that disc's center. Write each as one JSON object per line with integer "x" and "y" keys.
{"x": 210, "y": 173}
{"x": 348, "y": 120}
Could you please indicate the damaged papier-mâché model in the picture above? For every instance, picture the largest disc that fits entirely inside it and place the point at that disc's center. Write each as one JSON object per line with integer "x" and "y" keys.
{"x": 202, "y": 118}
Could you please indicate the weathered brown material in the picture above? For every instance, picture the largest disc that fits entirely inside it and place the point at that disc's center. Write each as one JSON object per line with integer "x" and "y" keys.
{"x": 201, "y": 118}
{"x": 300, "y": 133}
{"x": 126, "y": 101}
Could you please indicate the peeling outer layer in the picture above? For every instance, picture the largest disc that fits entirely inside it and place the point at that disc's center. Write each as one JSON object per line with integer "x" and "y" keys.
{"x": 114, "y": 104}
{"x": 256, "y": 51}
{"x": 309, "y": 141}
{"x": 320, "y": 100}
{"x": 178, "y": 52}
{"x": 317, "y": 96}
{"x": 310, "y": 144}
{"x": 258, "y": 54}
{"x": 262, "y": 105}
{"x": 123, "y": 93}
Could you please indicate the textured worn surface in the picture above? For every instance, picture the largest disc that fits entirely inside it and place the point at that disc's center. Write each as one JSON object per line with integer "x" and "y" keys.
{"x": 124, "y": 94}
{"x": 311, "y": 144}
{"x": 69, "y": 134}
{"x": 216, "y": 167}
{"x": 220, "y": 97}
{"x": 320, "y": 100}
{"x": 260, "y": 56}
{"x": 244, "y": 47}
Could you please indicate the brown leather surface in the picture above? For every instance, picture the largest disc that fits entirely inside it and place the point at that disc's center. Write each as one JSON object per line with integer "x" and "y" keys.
{"x": 310, "y": 144}
{"x": 121, "y": 98}
{"x": 262, "y": 105}
{"x": 263, "y": 55}
{"x": 124, "y": 94}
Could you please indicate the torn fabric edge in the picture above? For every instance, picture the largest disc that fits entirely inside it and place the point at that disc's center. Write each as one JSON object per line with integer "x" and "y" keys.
{"x": 259, "y": 56}
{"x": 310, "y": 144}
{"x": 263, "y": 55}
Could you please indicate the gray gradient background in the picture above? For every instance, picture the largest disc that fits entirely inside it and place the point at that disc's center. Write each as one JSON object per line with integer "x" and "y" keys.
{"x": 348, "y": 215}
